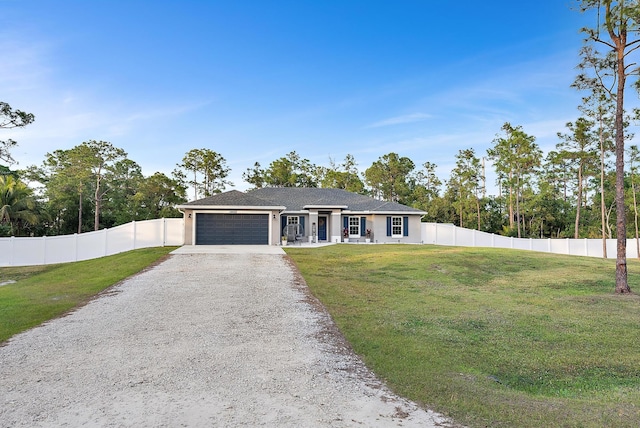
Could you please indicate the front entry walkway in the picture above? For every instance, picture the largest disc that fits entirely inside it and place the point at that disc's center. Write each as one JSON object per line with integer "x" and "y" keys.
{"x": 216, "y": 339}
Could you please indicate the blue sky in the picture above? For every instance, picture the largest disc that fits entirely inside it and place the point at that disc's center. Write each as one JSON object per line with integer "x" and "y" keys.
{"x": 256, "y": 79}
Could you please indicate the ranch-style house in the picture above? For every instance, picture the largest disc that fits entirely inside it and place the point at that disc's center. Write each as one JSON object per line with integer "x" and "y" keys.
{"x": 310, "y": 215}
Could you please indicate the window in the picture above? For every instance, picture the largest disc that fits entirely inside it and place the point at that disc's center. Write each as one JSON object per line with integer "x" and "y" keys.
{"x": 354, "y": 226}
{"x": 292, "y": 223}
{"x": 396, "y": 226}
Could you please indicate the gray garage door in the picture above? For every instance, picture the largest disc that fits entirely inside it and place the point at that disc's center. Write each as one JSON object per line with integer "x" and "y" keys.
{"x": 232, "y": 229}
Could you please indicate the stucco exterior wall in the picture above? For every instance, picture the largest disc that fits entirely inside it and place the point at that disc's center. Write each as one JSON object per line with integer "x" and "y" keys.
{"x": 188, "y": 227}
{"x": 377, "y": 223}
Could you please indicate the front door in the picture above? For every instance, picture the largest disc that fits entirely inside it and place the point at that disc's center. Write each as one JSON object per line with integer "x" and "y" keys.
{"x": 322, "y": 228}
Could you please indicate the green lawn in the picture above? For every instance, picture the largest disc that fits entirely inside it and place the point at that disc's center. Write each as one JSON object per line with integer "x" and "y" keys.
{"x": 44, "y": 292}
{"x": 490, "y": 337}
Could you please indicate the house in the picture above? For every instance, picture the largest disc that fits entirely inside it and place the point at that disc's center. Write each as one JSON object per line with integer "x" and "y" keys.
{"x": 263, "y": 216}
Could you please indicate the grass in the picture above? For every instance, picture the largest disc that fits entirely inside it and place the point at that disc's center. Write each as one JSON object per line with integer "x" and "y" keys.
{"x": 490, "y": 337}
{"x": 41, "y": 293}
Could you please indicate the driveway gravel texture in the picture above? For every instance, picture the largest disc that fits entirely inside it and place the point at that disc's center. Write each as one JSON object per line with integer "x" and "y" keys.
{"x": 198, "y": 340}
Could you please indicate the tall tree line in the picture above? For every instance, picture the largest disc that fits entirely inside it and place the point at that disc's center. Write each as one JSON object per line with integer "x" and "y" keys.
{"x": 95, "y": 185}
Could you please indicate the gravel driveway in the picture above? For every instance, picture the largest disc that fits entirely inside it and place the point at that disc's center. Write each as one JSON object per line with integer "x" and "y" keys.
{"x": 229, "y": 338}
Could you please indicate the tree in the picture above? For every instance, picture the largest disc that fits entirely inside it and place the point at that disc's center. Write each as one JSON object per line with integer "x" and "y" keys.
{"x": 64, "y": 174}
{"x": 634, "y": 158}
{"x": 101, "y": 161}
{"x": 621, "y": 19}
{"x": 388, "y": 177}
{"x": 466, "y": 183}
{"x": 548, "y": 211}
{"x": 579, "y": 148}
{"x": 255, "y": 176}
{"x": 425, "y": 187}
{"x": 281, "y": 172}
{"x": 211, "y": 166}
{"x": 215, "y": 173}
{"x": 343, "y": 176}
{"x": 157, "y": 196}
{"x": 552, "y": 200}
{"x": 123, "y": 180}
{"x": 82, "y": 170}
{"x": 292, "y": 171}
{"x": 10, "y": 118}
{"x": 17, "y": 205}
{"x": 515, "y": 156}
{"x": 599, "y": 106}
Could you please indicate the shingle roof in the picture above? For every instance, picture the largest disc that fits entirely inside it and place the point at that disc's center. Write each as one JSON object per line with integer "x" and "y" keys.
{"x": 297, "y": 198}
{"x": 231, "y": 198}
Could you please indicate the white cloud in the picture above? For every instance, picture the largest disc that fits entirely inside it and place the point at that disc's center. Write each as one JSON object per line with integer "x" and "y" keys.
{"x": 399, "y": 120}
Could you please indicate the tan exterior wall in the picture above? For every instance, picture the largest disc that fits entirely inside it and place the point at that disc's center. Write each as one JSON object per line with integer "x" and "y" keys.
{"x": 188, "y": 227}
{"x": 376, "y": 222}
{"x": 379, "y": 223}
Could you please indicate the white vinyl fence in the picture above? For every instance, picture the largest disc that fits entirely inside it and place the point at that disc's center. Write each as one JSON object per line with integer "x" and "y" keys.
{"x": 70, "y": 248}
{"x": 448, "y": 234}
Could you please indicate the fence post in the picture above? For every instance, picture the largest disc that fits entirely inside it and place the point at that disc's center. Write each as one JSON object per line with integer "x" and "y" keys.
{"x": 455, "y": 236}
{"x": 568, "y": 247}
{"x": 13, "y": 249}
{"x": 586, "y": 247}
{"x": 135, "y": 232}
{"x": 44, "y": 250}
{"x": 75, "y": 235}
{"x": 104, "y": 233}
{"x": 548, "y": 245}
{"x": 511, "y": 242}
{"x": 164, "y": 231}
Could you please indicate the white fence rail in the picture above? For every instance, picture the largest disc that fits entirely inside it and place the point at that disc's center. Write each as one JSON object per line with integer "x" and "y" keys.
{"x": 448, "y": 234}
{"x": 91, "y": 245}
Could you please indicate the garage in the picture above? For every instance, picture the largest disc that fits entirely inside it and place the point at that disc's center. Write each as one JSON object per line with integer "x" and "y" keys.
{"x": 232, "y": 229}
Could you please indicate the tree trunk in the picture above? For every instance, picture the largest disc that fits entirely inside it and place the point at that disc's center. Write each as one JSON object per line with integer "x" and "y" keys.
{"x": 96, "y": 217}
{"x": 510, "y": 201}
{"x": 518, "y": 204}
{"x": 622, "y": 284}
{"x": 576, "y": 233}
{"x": 602, "y": 203}
{"x": 80, "y": 214}
{"x": 195, "y": 185}
{"x": 478, "y": 211}
{"x": 635, "y": 215}
{"x": 97, "y": 201}
{"x": 461, "y": 207}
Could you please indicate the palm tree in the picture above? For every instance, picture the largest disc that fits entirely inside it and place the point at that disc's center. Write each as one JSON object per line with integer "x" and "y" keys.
{"x": 17, "y": 205}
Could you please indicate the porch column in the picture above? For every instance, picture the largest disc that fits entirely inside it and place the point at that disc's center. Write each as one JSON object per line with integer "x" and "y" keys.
{"x": 313, "y": 224}
{"x": 336, "y": 226}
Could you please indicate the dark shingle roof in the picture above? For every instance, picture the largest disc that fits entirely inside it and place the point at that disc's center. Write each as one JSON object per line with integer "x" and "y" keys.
{"x": 232, "y": 198}
{"x": 296, "y": 198}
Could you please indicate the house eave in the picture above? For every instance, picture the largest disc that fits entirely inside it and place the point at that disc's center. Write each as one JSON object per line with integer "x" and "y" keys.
{"x": 324, "y": 207}
{"x": 371, "y": 212}
{"x": 231, "y": 207}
